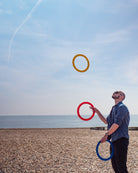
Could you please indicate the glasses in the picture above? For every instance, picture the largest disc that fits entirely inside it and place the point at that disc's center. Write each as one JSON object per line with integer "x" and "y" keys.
{"x": 116, "y": 92}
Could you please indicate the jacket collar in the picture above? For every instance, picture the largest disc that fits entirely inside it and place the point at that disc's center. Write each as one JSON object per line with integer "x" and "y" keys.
{"x": 118, "y": 104}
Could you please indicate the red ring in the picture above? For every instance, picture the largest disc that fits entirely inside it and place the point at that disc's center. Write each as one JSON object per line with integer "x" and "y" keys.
{"x": 85, "y": 119}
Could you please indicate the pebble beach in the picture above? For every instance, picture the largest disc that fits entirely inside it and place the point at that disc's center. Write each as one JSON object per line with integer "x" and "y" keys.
{"x": 58, "y": 151}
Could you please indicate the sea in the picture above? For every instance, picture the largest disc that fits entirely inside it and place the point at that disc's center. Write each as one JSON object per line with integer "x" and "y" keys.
{"x": 54, "y": 121}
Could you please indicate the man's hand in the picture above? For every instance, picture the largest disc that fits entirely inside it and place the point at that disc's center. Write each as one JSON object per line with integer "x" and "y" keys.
{"x": 99, "y": 114}
{"x": 104, "y": 138}
{"x": 94, "y": 109}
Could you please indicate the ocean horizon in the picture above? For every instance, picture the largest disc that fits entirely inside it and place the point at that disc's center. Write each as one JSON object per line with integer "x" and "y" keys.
{"x": 54, "y": 121}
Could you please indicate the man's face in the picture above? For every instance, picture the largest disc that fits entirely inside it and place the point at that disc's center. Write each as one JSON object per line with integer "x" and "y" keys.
{"x": 116, "y": 95}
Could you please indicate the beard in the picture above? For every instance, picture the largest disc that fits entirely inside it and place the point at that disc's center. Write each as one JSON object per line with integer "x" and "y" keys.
{"x": 115, "y": 97}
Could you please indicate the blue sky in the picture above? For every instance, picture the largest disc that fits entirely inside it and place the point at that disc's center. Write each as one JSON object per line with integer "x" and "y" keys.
{"x": 38, "y": 40}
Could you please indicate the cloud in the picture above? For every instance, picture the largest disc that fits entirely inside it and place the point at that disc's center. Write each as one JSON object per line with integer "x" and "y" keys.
{"x": 131, "y": 73}
{"x": 9, "y": 12}
{"x": 21, "y": 4}
{"x": 113, "y": 37}
{"x": 20, "y": 26}
{"x": 111, "y": 7}
{"x": 135, "y": 1}
{"x": 35, "y": 34}
{"x": 35, "y": 28}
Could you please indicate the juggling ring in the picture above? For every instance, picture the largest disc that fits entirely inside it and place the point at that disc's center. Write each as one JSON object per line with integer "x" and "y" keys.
{"x": 73, "y": 63}
{"x": 105, "y": 159}
{"x": 85, "y": 119}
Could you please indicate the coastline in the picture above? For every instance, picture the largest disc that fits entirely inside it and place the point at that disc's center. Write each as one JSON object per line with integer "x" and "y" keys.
{"x": 58, "y": 150}
{"x": 91, "y": 128}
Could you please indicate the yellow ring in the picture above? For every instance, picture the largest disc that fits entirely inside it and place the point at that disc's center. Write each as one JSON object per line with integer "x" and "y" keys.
{"x": 73, "y": 63}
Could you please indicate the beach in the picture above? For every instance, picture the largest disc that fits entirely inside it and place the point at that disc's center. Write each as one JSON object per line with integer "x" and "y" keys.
{"x": 58, "y": 151}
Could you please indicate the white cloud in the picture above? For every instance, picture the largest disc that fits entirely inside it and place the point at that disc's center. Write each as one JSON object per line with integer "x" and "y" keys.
{"x": 106, "y": 6}
{"x": 20, "y": 26}
{"x": 9, "y": 12}
{"x": 21, "y": 4}
{"x": 135, "y": 1}
{"x": 117, "y": 36}
{"x": 131, "y": 70}
{"x": 35, "y": 28}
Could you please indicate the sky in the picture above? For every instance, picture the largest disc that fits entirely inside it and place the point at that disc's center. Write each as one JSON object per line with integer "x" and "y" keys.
{"x": 38, "y": 40}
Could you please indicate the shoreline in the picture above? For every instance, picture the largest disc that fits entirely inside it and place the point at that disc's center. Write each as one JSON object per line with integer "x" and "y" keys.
{"x": 91, "y": 128}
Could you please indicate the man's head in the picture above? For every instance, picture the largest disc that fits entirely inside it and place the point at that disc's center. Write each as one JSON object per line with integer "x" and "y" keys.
{"x": 118, "y": 95}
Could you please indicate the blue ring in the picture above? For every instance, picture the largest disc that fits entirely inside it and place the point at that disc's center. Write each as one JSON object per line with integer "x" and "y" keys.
{"x": 105, "y": 159}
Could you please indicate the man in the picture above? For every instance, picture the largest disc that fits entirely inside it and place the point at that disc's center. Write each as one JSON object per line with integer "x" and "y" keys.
{"x": 118, "y": 122}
